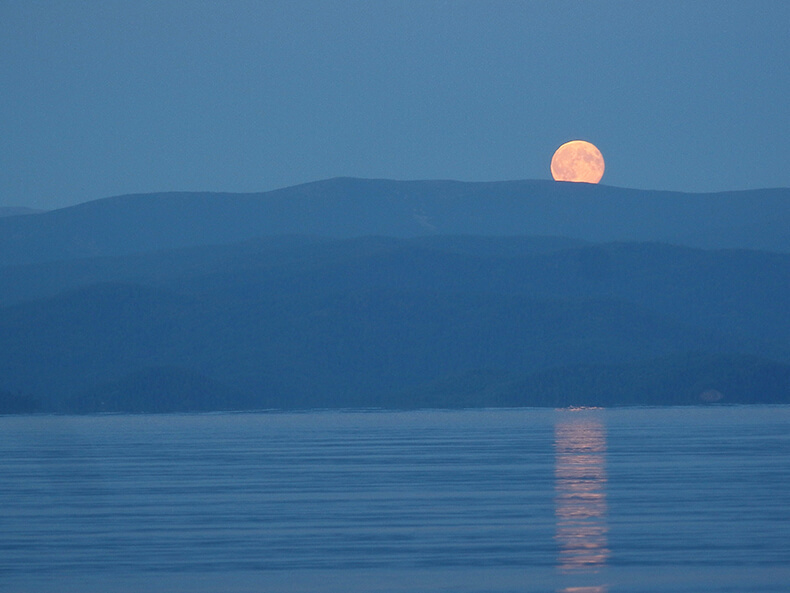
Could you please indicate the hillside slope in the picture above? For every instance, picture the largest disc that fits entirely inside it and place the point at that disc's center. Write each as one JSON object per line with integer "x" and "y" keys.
{"x": 346, "y": 208}
{"x": 304, "y": 322}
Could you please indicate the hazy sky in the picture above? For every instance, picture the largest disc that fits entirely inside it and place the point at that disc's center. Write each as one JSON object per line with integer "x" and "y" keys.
{"x": 106, "y": 98}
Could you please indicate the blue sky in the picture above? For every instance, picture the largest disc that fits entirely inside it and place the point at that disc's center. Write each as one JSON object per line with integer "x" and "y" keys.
{"x": 107, "y": 98}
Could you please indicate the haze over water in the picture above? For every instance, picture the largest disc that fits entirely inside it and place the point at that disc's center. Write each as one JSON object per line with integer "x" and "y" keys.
{"x": 593, "y": 501}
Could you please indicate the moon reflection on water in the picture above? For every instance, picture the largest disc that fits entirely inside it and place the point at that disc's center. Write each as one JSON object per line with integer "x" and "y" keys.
{"x": 580, "y": 498}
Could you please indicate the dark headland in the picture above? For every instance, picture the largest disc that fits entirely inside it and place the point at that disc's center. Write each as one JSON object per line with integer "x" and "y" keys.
{"x": 377, "y": 293}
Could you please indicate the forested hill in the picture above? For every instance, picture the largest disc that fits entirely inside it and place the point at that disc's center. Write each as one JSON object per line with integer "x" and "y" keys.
{"x": 296, "y": 322}
{"x": 347, "y": 208}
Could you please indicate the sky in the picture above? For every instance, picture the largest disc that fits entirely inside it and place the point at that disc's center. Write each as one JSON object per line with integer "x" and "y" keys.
{"x": 107, "y": 98}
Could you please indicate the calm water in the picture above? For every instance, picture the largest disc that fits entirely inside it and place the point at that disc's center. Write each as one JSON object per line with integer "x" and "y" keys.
{"x": 592, "y": 501}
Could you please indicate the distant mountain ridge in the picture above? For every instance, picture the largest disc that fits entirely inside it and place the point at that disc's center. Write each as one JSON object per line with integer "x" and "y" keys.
{"x": 17, "y": 211}
{"x": 347, "y": 208}
{"x": 436, "y": 321}
{"x": 397, "y": 294}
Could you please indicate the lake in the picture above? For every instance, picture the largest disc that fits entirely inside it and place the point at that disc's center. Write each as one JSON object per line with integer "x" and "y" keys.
{"x": 529, "y": 500}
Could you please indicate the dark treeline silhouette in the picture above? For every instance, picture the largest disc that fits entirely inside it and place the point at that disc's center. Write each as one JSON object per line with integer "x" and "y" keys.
{"x": 15, "y": 403}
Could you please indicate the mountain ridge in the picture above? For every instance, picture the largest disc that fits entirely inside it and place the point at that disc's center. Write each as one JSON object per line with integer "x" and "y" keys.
{"x": 349, "y": 207}
{"x": 304, "y": 322}
{"x": 350, "y": 292}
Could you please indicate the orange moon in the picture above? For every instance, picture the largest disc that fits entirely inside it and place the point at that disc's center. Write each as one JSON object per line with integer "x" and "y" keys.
{"x": 577, "y": 160}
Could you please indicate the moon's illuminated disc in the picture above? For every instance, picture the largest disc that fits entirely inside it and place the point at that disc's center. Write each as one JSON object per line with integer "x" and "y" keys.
{"x": 577, "y": 160}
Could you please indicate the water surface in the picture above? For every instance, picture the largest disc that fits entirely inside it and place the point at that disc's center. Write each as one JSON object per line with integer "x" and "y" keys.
{"x": 589, "y": 501}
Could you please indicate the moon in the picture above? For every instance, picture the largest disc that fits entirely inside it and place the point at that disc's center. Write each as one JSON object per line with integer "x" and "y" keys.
{"x": 577, "y": 160}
